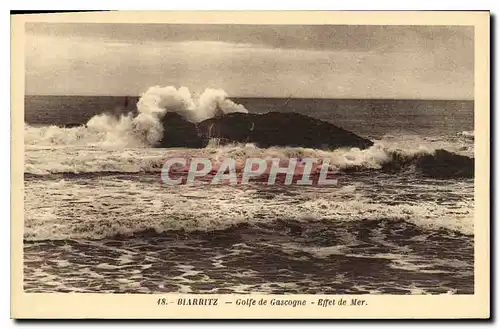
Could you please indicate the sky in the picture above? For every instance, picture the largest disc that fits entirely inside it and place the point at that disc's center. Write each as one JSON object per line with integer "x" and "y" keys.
{"x": 313, "y": 61}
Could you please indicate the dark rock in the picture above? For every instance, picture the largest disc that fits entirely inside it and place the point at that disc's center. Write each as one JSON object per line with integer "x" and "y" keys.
{"x": 280, "y": 129}
{"x": 179, "y": 132}
{"x": 265, "y": 130}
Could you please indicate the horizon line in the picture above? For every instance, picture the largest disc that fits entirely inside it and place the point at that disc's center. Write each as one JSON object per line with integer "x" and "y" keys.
{"x": 270, "y": 97}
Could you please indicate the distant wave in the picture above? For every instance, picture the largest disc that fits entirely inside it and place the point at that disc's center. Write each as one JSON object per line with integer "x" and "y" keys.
{"x": 467, "y": 134}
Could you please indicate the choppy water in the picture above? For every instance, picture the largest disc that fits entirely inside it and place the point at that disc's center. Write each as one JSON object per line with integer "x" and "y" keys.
{"x": 99, "y": 219}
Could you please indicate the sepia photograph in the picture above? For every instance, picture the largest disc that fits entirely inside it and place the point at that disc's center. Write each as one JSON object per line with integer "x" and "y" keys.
{"x": 278, "y": 159}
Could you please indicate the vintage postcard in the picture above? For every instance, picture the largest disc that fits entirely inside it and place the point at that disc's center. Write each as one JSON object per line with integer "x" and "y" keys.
{"x": 245, "y": 165}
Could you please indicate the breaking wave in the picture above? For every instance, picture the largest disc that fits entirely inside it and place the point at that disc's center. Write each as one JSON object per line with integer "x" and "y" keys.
{"x": 466, "y": 135}
{"x": 383, "y": 155}
{"x": 142, "y": 130}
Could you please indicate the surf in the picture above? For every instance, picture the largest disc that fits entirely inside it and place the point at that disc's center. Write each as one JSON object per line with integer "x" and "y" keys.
{"x": 384, "y": 155}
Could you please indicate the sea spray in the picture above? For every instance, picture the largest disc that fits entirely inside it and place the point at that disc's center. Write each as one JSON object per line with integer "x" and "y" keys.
{"x": 142, "y": 130}
{"x": 157, "y": 101}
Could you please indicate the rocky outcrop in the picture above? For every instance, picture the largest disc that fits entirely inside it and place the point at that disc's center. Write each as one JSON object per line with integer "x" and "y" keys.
{"x": 264, "y": 130}
{"x": 280, "y": 129}
{"x": 178, "y": 132}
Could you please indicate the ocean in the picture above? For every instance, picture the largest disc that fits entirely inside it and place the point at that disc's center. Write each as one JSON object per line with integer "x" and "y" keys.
{"x": 98, "y": 217}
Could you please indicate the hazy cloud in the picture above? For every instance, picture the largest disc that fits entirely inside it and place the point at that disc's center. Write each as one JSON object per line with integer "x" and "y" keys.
{"x": 247, "y": 60}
